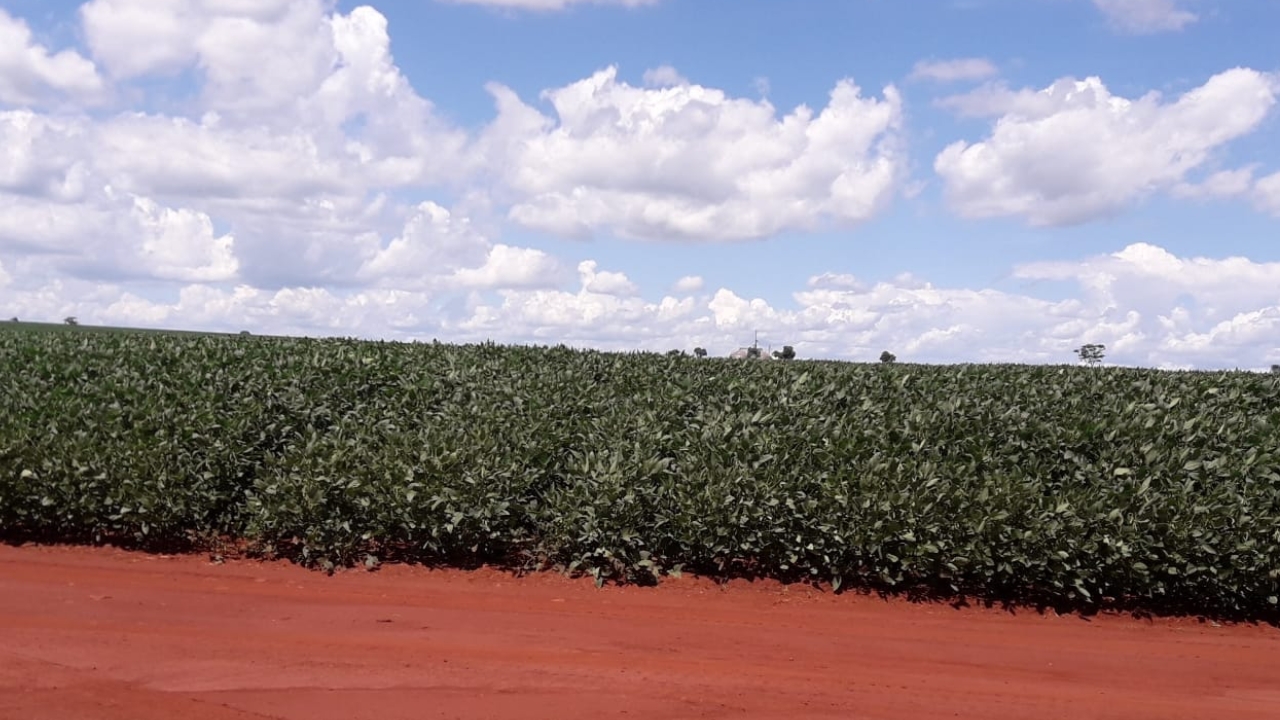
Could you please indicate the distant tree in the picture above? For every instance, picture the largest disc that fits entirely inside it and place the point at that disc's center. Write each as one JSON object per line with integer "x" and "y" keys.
{"x": 245, "y": 332}
{"x": 1275, "y": 369}
{"x": 887, "y": 357}
{"x": 786, "y": 353}
{"x": 13, "y": 319}
{"x": 700, "y": 352}
{"x": 1091, "y": 354}
{"x": 675, "y": 353}
{"x": 70, "y": 320}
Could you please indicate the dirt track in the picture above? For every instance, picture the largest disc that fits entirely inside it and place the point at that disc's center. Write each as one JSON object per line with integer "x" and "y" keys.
{"x": 110, "y": 635}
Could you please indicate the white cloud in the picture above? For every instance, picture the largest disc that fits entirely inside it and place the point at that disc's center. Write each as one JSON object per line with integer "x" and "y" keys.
{"x": 549, "y": 4}
{"x": 1264, "y": 191}
{"x": 1146, "y": 277}
{"x": 439, "y": 250}
{"x": 664, "y": 76}
{"x": 1180, "y": 301}
{"x": 94, "y": 190}
{"x": 1145, "y": 16}
{"x": 1252, "y": 329}
{"x": 206, "y": 160}
{"x": 690, "y": 163}
{"x": 1267, "y": 193}
{"x": 303, "y": 310}
{"x": 1222, "y": 184}
{"x": 605, "y": 282}
{"x": 583, "y": 318}
{"x": 837, "y": 281}
{"x": 111, "y": 234}
{"x": 689, "y": 284}
{"x": 434, "y": 244}
{"x": 1148, "y": 306}
{"x": 1075, "y": 152}
{"x": 512, "y": 267}
{"x": 303, "y": 127}
{"x": 133, "y": 38}
{"x": 286, "y": 67}
{"x": 954, "y": 70}
{"x": 307, "y": 189}
{"x": 28, "y": 71}
{"x": 41, "y": 155}
{"x": 180, "y": 244}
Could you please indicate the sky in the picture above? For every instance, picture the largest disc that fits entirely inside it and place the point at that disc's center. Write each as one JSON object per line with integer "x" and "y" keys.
{"x": 949, "y": 180}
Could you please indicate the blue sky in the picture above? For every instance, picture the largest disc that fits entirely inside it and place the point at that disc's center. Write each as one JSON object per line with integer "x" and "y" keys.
{"x": 991, "y": 179}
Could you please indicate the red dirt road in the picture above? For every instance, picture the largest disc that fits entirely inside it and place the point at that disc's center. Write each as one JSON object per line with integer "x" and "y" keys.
{"x": 110, "y": 635}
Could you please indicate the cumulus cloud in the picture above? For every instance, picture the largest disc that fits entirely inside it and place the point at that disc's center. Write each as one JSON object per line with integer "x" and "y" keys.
{"x": 434, "y": 244}
{"x": 1221, "y": 184}
{"x": 664, "y": 76}
{"x": 29, "y": 72}
{"x": 587, "y": 317}
{"x": 1142, "y": 17}
{"x": 308, "y": 189}
{"x": 110, "y": 234}
{"x": 181, "y": 244}
{"x": 690, "y": 163}
{"x": 1267, "y": 193}
{"x": 439, "y": 250}
{"x": 837, "y": 281}
{"x": 604, "y": 282}
{"x": 1147, "y": 305}
{"x": 954, "y": 70}
{"x": 286, "y": 67}
{"x": 1181, "y": 302}
{"x": 1148, "y": 278}
{"x": 689, "y": 284}
{"x": 41, "y": 155}
{"x": 506, "y": 266}
{"x": 1240, "y": 182}
{"x": 132, "y": 38}
{"x": 72, "y": 185}
{"x": 1073, "y": 151}
{"x": 302, "y": 128}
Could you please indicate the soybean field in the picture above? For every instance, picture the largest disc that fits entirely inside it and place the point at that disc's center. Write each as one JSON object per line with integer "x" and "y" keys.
{"x": 1053, "y": 485}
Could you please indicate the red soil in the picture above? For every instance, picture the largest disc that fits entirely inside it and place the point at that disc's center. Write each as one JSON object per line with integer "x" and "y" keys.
{"x": 111, "y": 635}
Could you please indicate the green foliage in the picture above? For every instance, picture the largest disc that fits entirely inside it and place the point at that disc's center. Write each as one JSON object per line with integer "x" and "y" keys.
{"x": 1060, "y": 485}
{"x": 1091, "y": 354}
{"x": 786, "y": 353}
{"x": 887, "y": 357}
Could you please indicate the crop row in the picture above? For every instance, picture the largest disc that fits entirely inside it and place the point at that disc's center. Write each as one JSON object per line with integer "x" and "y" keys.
{"x": 1065, "y": 485}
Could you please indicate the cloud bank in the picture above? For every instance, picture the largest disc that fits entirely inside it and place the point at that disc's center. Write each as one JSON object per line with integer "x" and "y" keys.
{"x": 306, "y": 187}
